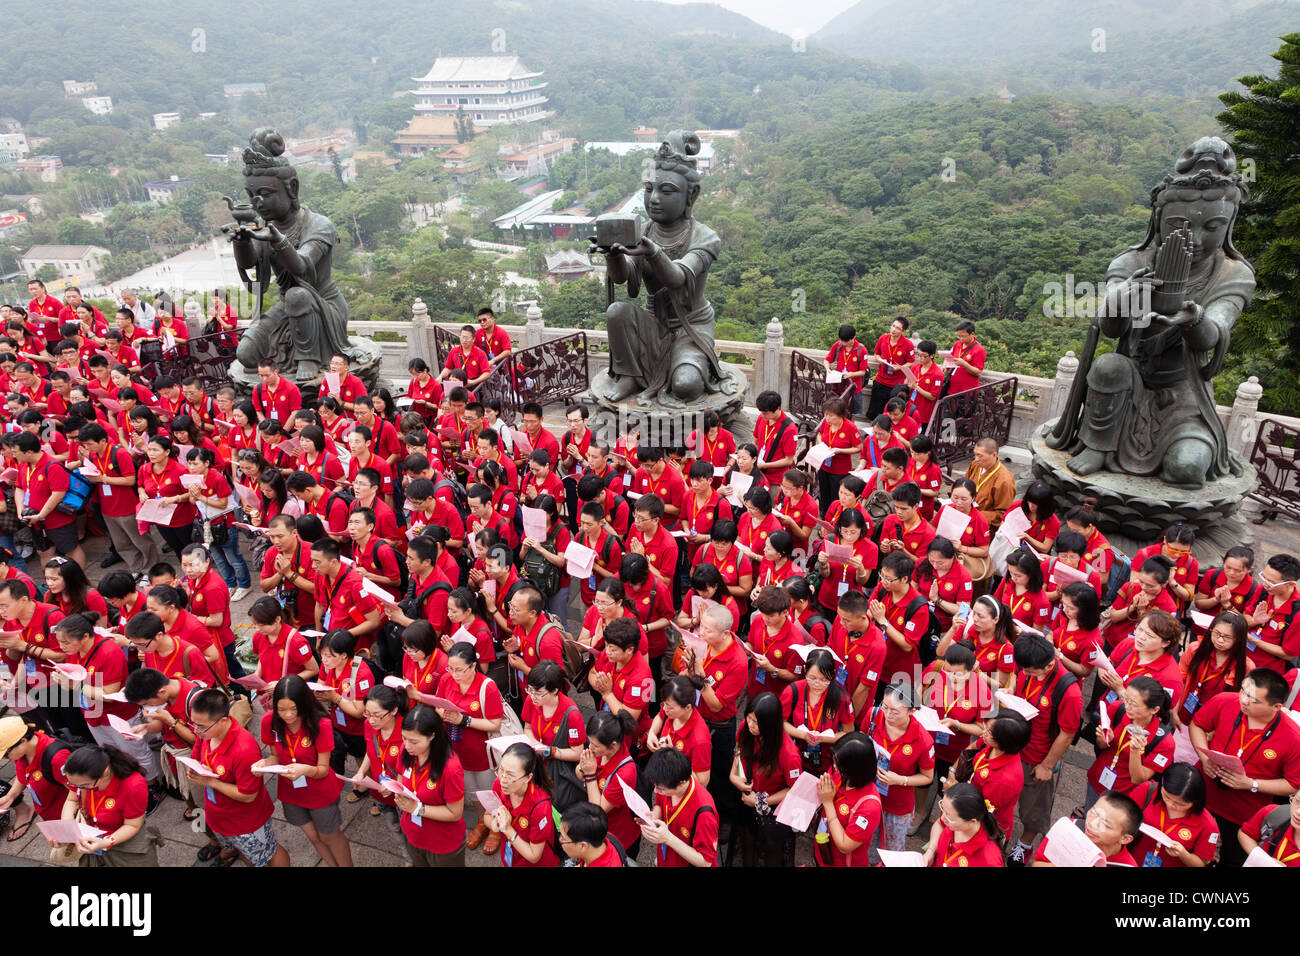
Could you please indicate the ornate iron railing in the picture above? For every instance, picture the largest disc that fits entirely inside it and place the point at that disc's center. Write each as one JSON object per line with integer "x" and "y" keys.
{"x": 497, "y": 386}
{"x": 809, "y": 391}
{"x": 961, "y": 420}
{"x": 552, "y": 372}
{"x": 206, "y": 357}
{"x": 444, "y": 340}
{"x": 1276, "y": 457}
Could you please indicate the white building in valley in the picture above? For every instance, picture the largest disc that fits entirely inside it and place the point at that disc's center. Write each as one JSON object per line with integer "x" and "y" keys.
{"x": 488, "y": 89}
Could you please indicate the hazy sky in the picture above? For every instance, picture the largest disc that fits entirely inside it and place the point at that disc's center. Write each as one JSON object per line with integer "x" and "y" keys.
{"x": 806, "y": 16}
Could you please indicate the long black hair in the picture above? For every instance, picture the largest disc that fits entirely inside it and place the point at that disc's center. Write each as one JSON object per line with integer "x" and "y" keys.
{"x": 765, "y": 749}
{"x": 310, "y": 712}
{"x": 425, "y": 721}
{"x": 532, "y": 764}
{"x": 92, "y": 760}
{"x": 969, "y": 804}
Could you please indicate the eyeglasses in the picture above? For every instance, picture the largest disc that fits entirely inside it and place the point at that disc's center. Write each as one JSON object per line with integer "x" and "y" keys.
{"x": 885, "y": 580}
{"x": 203, "y": 728}
{"x": 509, "y": 777}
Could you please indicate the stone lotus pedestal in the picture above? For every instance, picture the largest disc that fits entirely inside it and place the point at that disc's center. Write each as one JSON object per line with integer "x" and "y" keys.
{"x": 1133, "y": 511}
{"x": 664, "y": 424}
{"x": 245, "y": 380}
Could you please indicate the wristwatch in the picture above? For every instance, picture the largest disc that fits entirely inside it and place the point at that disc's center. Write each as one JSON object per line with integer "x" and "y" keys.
{"x": 710, "y": 681}
{"x": 1254, "y": 786}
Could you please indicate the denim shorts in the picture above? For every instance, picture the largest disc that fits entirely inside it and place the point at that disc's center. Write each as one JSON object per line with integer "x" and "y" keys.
{"x": 258, "y": 846}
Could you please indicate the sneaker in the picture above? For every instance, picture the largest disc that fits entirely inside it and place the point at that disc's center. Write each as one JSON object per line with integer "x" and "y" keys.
{"x": 155, "y": 800}
{"x": 1019, "y": 855}
{"x": 238, "y": 594}
{"x": 142, "y": 579}
{"x": 111, "y": 559}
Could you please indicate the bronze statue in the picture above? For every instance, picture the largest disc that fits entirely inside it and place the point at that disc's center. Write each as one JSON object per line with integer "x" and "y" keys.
{"x": 664, "y": 350}
{"x": 275, "y": 235}
{"x": 1148, "y": 407}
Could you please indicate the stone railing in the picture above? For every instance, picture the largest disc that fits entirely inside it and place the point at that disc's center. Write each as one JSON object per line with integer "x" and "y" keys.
{"x": 767, "y": 366}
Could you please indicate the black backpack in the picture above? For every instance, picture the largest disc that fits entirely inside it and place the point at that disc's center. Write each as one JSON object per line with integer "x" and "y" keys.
{"x": 342, "y": 494}
{"x": 1274, "y": 828}
{"x": 460, "y": 498}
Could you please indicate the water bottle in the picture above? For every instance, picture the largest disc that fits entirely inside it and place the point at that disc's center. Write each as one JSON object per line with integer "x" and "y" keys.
{"x": 822, "y": 844}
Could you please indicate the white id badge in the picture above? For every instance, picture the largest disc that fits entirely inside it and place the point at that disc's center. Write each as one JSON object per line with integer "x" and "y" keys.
{"x": 300, "y": 783}
{"x": 842, "y": 588}
{"x": 1107, "y": 778}
{"x": 416, "y": 818}
{"x": 107, "y": 489}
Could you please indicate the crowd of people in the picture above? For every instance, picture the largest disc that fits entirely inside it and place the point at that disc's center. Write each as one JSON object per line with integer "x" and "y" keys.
{"x": 563, "y": 649}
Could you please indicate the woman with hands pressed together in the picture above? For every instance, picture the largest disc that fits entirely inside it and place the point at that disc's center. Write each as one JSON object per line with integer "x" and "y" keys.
{"x": 851, "y": 805}
{"x": 301, "y": 738}
{"x": 894, "y": 727}
{"x": 606, "y": 760}
{"x": 524, "y": 818}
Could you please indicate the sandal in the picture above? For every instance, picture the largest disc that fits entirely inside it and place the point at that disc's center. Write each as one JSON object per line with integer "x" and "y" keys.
{"x": 20, "y": 831}
{"x": 356, "y": 796}
{"x": 374, "y": 810}
{"x": 190, "y": 815}
{"x": 226, "y": 860}
{"x": 491, "y": 844}
{"x": 208, "y": 852}
{"x": 475, "y": 836}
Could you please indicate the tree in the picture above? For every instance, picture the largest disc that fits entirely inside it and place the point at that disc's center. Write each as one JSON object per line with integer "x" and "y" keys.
{"x": 1266, "y": 133}
{"x": 47, "y": 273}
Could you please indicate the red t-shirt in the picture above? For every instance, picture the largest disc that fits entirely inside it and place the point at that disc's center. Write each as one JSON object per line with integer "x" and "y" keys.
{"x": 116, "y": 500}
{"x": 563, "y": 730}
{"x": 858, "y": 810}
{"x": 533, "y": 823}
{"x": 38, "y": 482}
{"x": 1031, "y": 609}
{"x": 963, "y": 380}
{"x": 779, "y": 776}
{"x": 233, "y": 760}
{"x": 166, "y": 484}
{"x": 209, "y": 595}
{"x": 694, "y": 820}
{"x": 351, "y": 689}
{"x": 482, "y": 700}
{"x": 436, "y": 836}
{"x": 1158, "y": 754}
{"x": 776, "y": 441}
{"x": 186, "y": 662}
{"x": 692, "y": 739}
{"x": 1286, "y": 850}
{"x": 1040, "y": 693}
{"x": 843, "y": 439}
{"x": 909, "y": 753}
{"x": 123, "y": 799}
{"x": 930, "y": 379}
{"x": 346, "y": 605}
{"x": 893, "y": 356}
{"x": 105, "y": 666}
{"x": 622, "y": 823}
{"x": 47, "y": 794}
{"x": 1199, "y": 833}
{"x": 1276, "y": 757}
{"x": 299, "y": 748}
{"x": 494, "y": 344}
{"x": 279, "y": 402}
{"x": 474, "y": 364}
{"x": 979, "y": 850}
{"x": 999, "y": 781}
{"x": 729, "y": 669}
{"x": 849, "y": 357}
{"x": 270, "y": 654}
